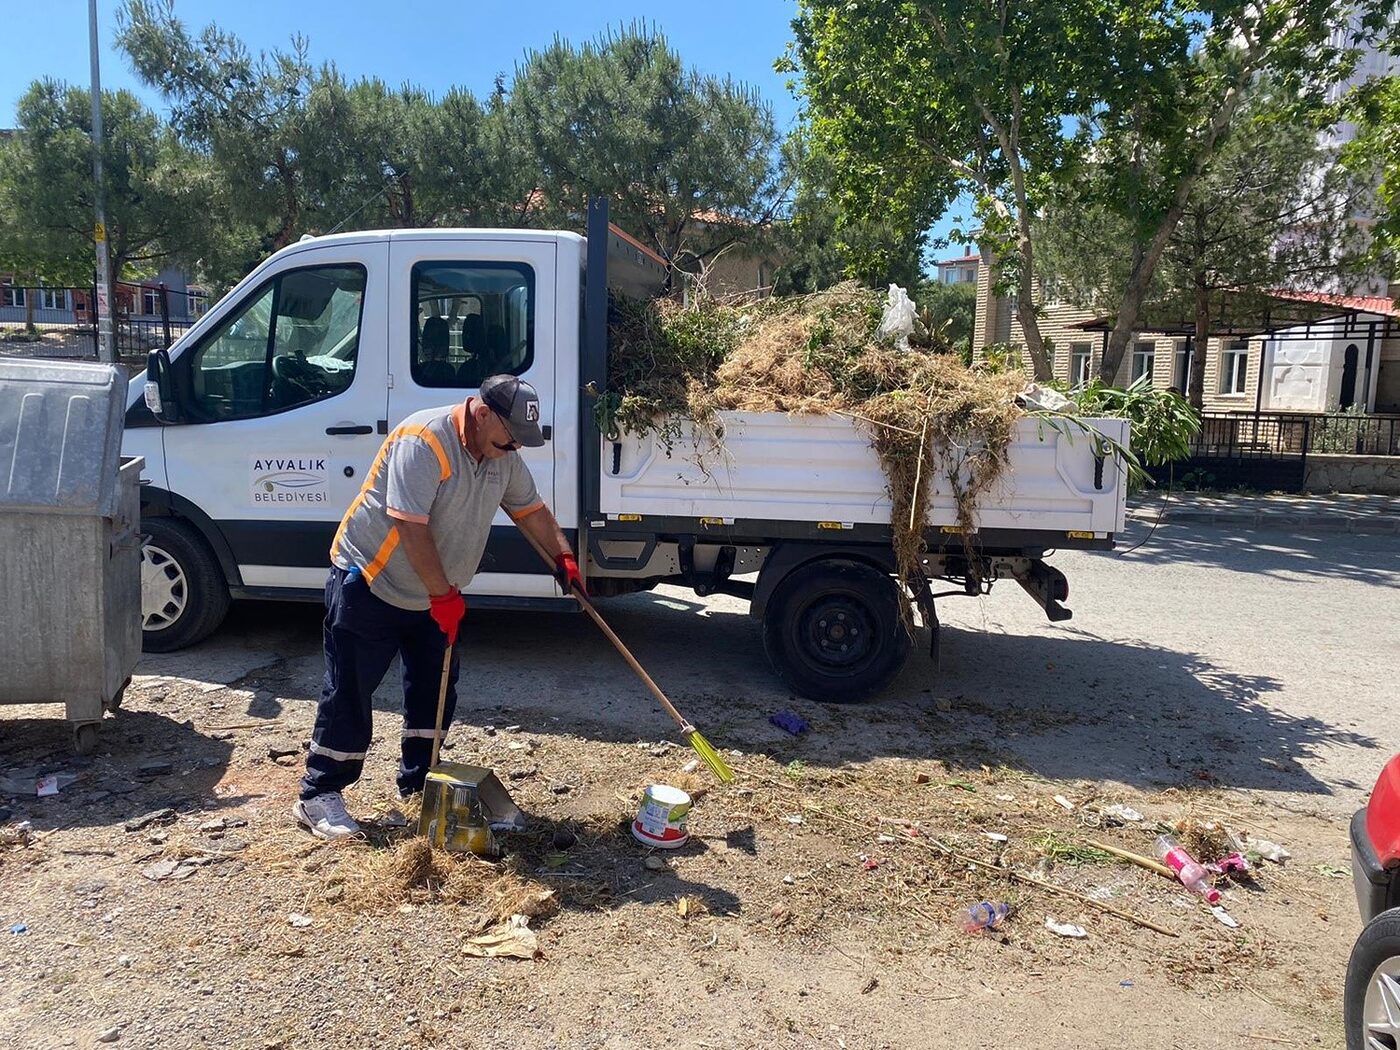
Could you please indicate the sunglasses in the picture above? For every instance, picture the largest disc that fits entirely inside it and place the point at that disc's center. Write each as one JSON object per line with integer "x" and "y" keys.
{"x": 514, "y": 445}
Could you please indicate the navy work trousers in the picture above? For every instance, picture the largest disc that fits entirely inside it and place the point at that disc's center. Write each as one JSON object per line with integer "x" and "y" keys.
{"x": 362, "y": 636}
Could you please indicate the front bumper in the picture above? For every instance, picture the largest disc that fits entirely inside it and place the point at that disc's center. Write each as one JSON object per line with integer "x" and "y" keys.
{"x": 1376, "y": 887}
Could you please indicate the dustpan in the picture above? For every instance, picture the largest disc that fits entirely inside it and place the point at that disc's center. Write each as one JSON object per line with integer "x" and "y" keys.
{"x": 463, "y": 807}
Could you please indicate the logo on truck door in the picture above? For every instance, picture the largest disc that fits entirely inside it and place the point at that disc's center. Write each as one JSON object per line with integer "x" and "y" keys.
{"x": 289, "y": 479}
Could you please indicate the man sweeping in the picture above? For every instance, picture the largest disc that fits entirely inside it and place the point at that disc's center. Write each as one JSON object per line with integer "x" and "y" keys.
{"x": 411, "y": 540}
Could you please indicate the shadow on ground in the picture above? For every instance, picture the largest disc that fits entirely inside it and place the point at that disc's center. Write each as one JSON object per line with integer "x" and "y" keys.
{"x": 143, "y": 762}
{"x": 1277, "y": 553}
{"x": 1062, "y": 703}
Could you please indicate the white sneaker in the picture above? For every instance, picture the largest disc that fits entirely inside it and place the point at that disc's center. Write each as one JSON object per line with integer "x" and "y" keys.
{"x": 325, "y": 816}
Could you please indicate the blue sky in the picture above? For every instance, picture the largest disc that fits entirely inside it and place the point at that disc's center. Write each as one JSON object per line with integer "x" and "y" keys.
{"x": 434, "y": 45}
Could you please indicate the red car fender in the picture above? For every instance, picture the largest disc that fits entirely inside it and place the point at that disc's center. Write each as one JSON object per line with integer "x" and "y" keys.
{"x": 1383, "y": 815}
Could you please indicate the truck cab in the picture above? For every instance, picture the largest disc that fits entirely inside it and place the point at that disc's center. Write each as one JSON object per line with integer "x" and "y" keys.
{"x": 276, "y": 403}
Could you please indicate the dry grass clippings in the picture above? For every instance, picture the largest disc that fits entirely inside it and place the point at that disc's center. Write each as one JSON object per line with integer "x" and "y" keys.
{"x": 929, "y": 416}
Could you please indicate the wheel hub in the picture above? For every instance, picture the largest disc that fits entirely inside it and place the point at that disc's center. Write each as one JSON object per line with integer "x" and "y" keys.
{"x": 164, "y": 590}
{"x": 1381, "y": 1013}
{"x": 837, "y": 632}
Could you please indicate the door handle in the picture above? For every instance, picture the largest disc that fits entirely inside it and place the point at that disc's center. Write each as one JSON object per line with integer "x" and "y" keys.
{"x": 362, "y": 428}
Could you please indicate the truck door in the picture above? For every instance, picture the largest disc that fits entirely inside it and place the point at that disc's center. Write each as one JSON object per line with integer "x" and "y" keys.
{"x": 285, "y": 394}
{"x": 462, "y": 308}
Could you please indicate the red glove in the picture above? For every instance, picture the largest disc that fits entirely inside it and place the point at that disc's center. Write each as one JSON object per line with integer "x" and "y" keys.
{"x": 448, "y": 610}
{"x": 566, "y": 572}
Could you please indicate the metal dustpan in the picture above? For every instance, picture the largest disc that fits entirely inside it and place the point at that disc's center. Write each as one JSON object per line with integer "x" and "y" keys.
{"x": 463, "y": 805}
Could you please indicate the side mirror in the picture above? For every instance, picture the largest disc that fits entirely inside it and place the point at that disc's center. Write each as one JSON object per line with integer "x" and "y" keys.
{"x": 160, "y": 388}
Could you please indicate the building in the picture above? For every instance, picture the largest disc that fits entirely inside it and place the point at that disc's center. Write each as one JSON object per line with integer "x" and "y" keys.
{"x": 962, "y": 270}
{"x": 1345, "y": 353}
{"x": 57, "y": 305}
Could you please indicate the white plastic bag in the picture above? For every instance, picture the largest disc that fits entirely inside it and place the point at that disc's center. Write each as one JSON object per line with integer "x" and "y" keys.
{"x": 898, "y": 321}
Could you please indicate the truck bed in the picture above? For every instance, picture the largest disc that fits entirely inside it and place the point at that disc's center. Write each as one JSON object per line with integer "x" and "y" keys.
{"x": 821, "y": 469}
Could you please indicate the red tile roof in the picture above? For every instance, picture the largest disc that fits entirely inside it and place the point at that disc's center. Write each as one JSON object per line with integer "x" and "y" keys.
{"x": 1370, "y": 304}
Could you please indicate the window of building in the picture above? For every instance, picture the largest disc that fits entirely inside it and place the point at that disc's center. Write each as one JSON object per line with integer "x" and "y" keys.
{"x": 471, "y": 320}
{"x": 150, "y": 301}
{"x": 53, "y": 298}
{"x": 12, "y": 295}
{"x": 1144, "y": 356}
{"x": 1182, "y": 371}
{"x": 292, "y": 341}
{"x": 1234, "y": 367}
{"x": 197, "y": 303}
{"x": 1079, "y": 355}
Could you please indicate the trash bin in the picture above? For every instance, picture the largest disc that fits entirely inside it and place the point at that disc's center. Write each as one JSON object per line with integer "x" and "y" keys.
{"x": 70, "y": 543}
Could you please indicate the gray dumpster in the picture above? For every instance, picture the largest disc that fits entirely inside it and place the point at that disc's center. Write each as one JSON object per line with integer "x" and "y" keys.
{"x": 70, "y": 544}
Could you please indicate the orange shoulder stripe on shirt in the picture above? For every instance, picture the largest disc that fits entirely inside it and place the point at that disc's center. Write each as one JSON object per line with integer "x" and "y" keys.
{"x": 401, "y": 431}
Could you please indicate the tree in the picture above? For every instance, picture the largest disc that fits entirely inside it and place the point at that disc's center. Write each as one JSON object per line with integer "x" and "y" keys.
{"x": 1129, "y": 100}
{"x": 245, "y": 114}
{"x": 685, "y": 158}
{"x": 1168, "y": 130}
{"x": 818, "y": 247}
{"x": 918, "y": 103}
{"x": 1373, "y": 156}
{"x": 154, "y": 195}
{"x": 950, "y": 308}
{"x": 1272, "y": 212}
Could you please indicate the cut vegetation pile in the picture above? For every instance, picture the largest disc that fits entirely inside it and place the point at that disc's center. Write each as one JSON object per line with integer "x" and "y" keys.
{"x": 928, "y": 414}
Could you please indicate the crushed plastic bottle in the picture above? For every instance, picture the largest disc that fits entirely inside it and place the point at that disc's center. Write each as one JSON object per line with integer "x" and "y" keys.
{"x": 1192, "y": 875}
{"x": 984, "y": 915}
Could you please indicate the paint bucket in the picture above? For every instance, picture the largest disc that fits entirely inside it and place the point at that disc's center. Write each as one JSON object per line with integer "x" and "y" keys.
{"x": 661, "y": 820}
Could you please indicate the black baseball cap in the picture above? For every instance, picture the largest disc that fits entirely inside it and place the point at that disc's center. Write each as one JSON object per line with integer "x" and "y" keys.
{"x": 515, "y": 401}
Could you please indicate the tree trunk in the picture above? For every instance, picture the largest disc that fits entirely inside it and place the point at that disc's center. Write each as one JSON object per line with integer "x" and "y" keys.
{"x": 1196, "y": 380}
{"x": 29, "y": 293}
{"x": 1030, "y": 324}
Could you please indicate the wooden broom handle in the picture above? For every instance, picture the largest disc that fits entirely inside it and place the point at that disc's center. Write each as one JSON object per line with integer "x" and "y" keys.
{"x": 641, "y": 673}
{"x": 442, "y": 704}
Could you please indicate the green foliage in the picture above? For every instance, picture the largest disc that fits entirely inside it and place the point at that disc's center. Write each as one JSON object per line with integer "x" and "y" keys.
{"x": 1374, "y": 157}
{"x": 684, "y": 157}
{"x": 1126, "y": 103}
{"x": 155, "y": 191}
{"x": 821, "y": 245}
{"x": 1271, "y": 212}
{"x": 1163, "y": 424}
{"x": 949, "y": 310}
{"x": 1346, "y": 432}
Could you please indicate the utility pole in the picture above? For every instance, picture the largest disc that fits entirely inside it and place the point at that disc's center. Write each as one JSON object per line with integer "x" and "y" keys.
{"x": 106, "y": 336}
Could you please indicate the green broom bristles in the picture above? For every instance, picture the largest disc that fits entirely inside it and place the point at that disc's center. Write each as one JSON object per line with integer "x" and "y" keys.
{"x": 710, "y": 756}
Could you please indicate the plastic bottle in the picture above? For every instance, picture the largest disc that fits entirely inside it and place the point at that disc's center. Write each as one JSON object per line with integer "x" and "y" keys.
{"x": 985, "y": 915}
{"x": 1192, "y": 875}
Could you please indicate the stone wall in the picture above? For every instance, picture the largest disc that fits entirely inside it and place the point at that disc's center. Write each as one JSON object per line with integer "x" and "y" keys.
{"x": 1328, "y": 472}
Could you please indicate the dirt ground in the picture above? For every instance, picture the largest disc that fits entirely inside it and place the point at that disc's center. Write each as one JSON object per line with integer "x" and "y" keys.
{"x": 820, "y": 896}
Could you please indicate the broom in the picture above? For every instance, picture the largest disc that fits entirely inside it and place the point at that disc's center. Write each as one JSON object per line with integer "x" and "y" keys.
{"x": 702, "y": 747}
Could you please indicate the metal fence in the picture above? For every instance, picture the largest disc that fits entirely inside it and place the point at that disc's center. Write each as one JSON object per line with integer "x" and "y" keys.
{"x": 1269, "y": 450}
{"x": 49, "y": 321}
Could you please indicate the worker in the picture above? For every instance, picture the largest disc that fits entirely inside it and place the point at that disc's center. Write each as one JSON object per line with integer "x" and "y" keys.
{"x": 409, "y": 543}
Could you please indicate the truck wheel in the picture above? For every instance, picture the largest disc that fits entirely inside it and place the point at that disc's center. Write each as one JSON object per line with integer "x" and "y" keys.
{"x": 183, "y": 594}
{"x": 1373, "y": 985}
{"x": 832, "y": 631}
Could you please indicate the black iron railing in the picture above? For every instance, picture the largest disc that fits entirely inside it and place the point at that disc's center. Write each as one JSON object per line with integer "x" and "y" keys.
{"x": 50, "y": 321}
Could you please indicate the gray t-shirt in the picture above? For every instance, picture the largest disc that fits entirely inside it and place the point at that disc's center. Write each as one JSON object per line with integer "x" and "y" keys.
{"x": 423, "y": 473}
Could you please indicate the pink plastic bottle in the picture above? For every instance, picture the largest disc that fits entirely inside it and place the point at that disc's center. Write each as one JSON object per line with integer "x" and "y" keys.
{"x": 1192, "y": 875}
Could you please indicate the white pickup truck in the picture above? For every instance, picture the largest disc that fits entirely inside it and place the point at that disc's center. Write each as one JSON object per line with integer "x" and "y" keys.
{"x": 258, "y": 426}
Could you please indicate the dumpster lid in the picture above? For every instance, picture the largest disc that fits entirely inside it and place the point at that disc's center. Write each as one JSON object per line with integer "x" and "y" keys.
{"x": 60, "y": 435}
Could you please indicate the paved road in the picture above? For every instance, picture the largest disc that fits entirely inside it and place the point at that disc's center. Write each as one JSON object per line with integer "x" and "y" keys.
{"x": 1259, "y": 659}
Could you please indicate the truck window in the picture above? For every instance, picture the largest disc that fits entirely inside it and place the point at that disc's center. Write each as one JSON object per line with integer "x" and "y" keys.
{"x": 471, "y": 320}
{"x": 294, "y": 341}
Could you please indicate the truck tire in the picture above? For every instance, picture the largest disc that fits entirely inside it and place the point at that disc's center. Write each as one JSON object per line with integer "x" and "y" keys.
{"x": 832, "y": 631}
{"x": 183, "y": 593}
